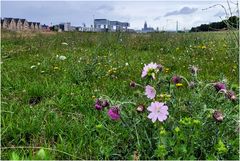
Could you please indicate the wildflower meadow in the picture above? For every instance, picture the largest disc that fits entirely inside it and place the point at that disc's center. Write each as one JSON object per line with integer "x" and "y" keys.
{"x": 119, "y": 96}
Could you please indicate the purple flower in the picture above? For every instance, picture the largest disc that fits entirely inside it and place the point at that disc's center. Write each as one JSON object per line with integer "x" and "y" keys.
{"x": 158, "y": 111}
{"x": 114, "y": 113}
{"x": 150, "y": 92}
{"x": 220, "y": 86}
{"x": 150, "y": 70}
{"x": 231, "y": 95}
{"x": 100, "y": 104}
{"x": 176, "y": 79}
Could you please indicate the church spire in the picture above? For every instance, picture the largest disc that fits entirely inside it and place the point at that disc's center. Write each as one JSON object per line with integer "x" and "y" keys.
{"x": 145, "y": 25}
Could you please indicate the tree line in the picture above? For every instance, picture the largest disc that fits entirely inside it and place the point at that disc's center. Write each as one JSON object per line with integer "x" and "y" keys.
{"x": 230, "y": 23}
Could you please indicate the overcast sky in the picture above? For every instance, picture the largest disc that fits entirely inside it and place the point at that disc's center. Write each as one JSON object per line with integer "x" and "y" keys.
{"x": 162, "y": 14}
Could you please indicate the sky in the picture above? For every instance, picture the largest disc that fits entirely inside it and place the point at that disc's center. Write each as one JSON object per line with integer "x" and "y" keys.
{"x": 162, "y": 13}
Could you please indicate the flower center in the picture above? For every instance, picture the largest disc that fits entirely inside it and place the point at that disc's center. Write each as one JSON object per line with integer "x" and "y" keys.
{"x": 158, "y": 110}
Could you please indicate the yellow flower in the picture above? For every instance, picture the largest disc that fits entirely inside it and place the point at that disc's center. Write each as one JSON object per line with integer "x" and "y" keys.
{"x": 179, "y": 85}
{"x": 165, "y": 97}
{"x": 93, "y": 97}
{"x": 55, "y": 68}
{"x": 204, "y": 47}
{"x": 166, "y": 70}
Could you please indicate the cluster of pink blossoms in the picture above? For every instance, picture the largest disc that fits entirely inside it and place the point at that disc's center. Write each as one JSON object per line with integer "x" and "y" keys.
{"x": 158, "y": 110}
{"x": 151, "y": 70}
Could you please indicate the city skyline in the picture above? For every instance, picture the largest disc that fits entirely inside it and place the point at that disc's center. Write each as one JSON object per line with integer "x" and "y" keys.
{"x": 161, "y": 14}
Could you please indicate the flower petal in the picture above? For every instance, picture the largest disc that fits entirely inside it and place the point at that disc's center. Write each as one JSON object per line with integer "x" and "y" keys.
{"x": 151, "y": 115}
{"x": 154, "y": 118}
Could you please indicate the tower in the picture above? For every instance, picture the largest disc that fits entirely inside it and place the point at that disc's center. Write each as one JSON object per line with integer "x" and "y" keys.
{"x": 145, "y": 25}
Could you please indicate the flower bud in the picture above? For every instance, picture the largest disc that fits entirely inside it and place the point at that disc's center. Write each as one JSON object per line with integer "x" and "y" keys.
{"x": 132, "y": 84}
{"x": 140, "y": 108}
{"x": 100, "y": 104}
{"x": 218, "y": 116}
{"x": 231, "y": 95}
{"x": 105, "y": 103}
{"x": 176, "y": 79}
{"x": 219, "y": 86}
{"x": 114, "y": 113}
{"x": 160, "y": 67}
{"x": 193, "y": 70}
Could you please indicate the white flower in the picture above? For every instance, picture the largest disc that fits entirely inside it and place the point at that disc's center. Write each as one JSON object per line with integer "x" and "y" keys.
{"x": 64, "y": 43}
{"x": 62, "y": 57}
{"x": 38, "y": 63}
{"x": 126, "y": 64}
{"x": 33, "y": 66}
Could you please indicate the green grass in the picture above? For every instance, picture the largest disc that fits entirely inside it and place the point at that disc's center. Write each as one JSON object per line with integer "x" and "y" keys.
{"x": 64, "y": 118}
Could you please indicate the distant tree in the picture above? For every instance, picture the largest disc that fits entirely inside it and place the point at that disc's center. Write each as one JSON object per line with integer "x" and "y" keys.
{"x": 231, "y": 23}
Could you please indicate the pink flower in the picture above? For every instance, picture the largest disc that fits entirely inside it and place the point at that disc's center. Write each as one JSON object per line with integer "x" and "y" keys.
{"x": 150, "y": 70}
{"x": 114, "y": 113}
{"x": 158, "y": 111}
{"x": 150, "y": 92}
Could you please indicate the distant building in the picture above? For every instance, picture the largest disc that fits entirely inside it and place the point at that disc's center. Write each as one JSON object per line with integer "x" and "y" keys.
{"x": 65, "y": 26}
{"x": 45, "y": 28}
{"x": 146, "y": 29}
{"x": 18, "y": 24}
{"x": 9, "y": 23}
{"x": 107, "y": 25}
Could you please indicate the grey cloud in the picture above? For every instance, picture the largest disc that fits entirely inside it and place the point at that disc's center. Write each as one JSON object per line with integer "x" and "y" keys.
{"x": 183, "y": 11}
{"x": 105, "y": 8}
{"x": 157, "y": 18}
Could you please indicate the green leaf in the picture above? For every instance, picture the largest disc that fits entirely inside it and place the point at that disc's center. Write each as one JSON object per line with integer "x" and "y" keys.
{"x": 41, "y": 154}
{"x": 15, "y": 156}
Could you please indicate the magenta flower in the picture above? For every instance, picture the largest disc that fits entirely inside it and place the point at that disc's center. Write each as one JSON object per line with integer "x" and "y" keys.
{"x": 150, "y": 70}
{"x": 100, "y": 104}
{"x": 158, "y": 111}
{"x": 114, "y": 113}
{"x": 150, "y": 92}
{"x": 220, "y": 86}
{"x": 176, "y": 79}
